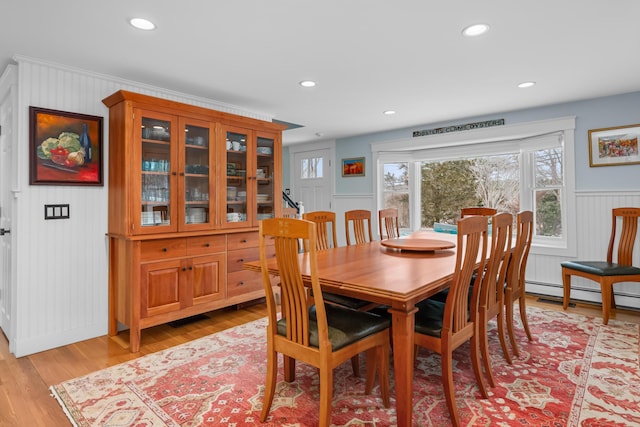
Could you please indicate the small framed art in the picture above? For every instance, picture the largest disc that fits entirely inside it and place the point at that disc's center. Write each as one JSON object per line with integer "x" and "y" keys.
{"x": 353, "y": 167}
{"x": 65, "y": 148}
{"x": 614, "y": 146}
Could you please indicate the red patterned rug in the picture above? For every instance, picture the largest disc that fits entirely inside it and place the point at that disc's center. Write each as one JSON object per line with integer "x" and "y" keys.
{"x": 576, "y": 372}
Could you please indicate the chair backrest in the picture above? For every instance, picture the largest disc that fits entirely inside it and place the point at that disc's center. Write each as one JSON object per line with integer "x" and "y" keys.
{"x": 492, "y": 291}
{"x": 475, "y": 211}
{"x": 295, "y": 299}
{"x": 388, "y": 222}
{"x": 520, "y": 252}
{"x": 289, "y": 213}
{"x": 471, "y": 252}
{"x": 324, "y": 220}
{"x": 358, "y": 220}
{"x": 627, "y": 238}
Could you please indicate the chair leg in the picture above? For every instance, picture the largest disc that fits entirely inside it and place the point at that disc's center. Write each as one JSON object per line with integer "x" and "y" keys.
{"x": 355, "y": 365}
{"x": 289, "y": 368}
{"x": 484, "y": 350}
{"x": 449, "y": 389}
{"x": 566, "y": 286}
{"x": 503, "y": 339}
{"x": 326, "y": 396}
{"x": 477, "y": 367}
{"x": 270, "y": 387}
{"x": 607, "y": 296}
{"x": 512, "y": 336}
{"x": 371, "y": 358}
{"x": 383, "y": 355}
{"x": 523, "y": 315}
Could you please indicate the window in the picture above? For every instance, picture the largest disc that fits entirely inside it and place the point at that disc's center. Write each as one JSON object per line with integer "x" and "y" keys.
{"x": 396, "y": 191}
{"x": 521, "y": 167}
{"x": 311, "y": 168}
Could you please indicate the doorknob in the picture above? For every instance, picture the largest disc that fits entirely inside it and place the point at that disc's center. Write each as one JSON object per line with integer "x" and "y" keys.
{"x": 3, "y": 231}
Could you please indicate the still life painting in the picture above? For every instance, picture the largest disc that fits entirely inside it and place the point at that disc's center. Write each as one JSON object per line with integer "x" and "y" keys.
{"x": 65, "y": 148}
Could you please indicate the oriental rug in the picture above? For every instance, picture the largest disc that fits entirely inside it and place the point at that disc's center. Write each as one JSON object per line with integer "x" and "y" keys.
{"x": 575, "y": 372}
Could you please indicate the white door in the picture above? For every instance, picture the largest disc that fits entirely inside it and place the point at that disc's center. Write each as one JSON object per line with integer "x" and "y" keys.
{"x": 7, "y": 112}
{"x": 311, "y": 181}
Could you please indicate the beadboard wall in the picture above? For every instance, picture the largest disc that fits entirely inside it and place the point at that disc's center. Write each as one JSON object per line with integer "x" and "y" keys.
{"x": 61, "y": 273}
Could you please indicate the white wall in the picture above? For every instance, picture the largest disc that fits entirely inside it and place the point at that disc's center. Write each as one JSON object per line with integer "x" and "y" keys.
{"x": 61, "y": 279}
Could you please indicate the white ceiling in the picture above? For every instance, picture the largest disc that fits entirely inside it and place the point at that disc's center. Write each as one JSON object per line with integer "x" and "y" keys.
{"x": 366, "y": 55}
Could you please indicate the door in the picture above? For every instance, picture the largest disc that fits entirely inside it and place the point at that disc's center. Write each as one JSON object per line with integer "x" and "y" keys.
{"x": 7, "y": 130}
{"x": 312, "y": 172}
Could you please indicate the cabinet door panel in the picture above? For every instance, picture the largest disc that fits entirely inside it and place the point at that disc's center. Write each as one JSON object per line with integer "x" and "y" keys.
{"x": 160, "y": 287}
{"x": 208, "y": 278}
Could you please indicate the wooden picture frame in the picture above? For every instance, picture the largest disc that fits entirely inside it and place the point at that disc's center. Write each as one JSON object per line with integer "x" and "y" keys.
{"x": 614, "y": 146}
{"x": 353, "y": 167}
{"x": 65, "y": 148}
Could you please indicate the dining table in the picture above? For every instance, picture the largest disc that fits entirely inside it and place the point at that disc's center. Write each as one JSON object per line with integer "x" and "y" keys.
{"x": 390, "y": 276}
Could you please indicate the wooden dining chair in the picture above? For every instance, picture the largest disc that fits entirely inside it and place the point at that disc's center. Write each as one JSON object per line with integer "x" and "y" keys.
{"x": 515, "y": 284}
{"x": 443, "y": 327}
{"x": 477, "y": 211}
{"x": 289, "y": 213}
{"x": 608, "y": 272}
{"x": 388, "y": 222}
{"x": 492, "y": 289}
{"x": 358, "y": 220}
{"x": 326, "y": 224}
{"x": 323, "y": 336}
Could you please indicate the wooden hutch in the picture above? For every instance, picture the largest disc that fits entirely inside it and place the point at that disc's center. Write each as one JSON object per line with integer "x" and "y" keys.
{"x": 187, "y": 187}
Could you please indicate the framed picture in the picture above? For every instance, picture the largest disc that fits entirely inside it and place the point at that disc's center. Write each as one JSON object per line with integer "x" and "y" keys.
{"x": 614, "y": 146}
{"x": 353, "y": 167}
{"x": 65, "y": 148}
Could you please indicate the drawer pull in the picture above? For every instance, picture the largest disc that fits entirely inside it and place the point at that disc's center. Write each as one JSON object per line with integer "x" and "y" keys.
{"x": 241, "y": 283}
{"x": 164, "y": 249}
{"x": 243, "y": 241}
{"x": 184, "y": 269}
{"x": 241, "y": 260}
{"x": 206, "y": 245}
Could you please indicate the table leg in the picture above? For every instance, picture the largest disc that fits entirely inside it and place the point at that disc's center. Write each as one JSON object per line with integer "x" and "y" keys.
{"x": 402, "y": 327}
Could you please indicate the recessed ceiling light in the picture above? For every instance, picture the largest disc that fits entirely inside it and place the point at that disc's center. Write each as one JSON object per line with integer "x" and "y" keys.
{"x": 142, "y": 24}
{"x": 475, "y": 30}
{"x": 526, "y": 84}
{"x": 307, "y": 83}
{"x": 389, "y": 112}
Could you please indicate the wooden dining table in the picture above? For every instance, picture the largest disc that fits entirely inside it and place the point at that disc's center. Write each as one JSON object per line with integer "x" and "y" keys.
{"x": 393, "y": 277}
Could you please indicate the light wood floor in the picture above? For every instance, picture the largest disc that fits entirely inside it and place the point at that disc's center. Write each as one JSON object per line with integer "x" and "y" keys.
{"x": 24, "y": 382}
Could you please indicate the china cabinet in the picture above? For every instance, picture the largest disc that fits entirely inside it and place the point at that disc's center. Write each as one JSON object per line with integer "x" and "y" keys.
{"x": 187, "y": 187}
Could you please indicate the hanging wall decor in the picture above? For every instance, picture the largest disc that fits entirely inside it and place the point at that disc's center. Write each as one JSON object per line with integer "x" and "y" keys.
{"x": 353, "y": 167}
{"x": 614, "y": 146}
{"x": 65, "y": 148}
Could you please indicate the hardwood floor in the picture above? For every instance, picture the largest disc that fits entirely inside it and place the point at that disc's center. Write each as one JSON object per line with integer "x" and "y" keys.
{"x": 24, "y": 382}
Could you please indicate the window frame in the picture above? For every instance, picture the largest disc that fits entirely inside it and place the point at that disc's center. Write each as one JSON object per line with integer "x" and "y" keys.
{"x": 525, "y": 138}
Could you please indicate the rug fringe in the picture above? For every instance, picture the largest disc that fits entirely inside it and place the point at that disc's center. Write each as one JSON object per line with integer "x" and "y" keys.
{"x": 55, "y": 395}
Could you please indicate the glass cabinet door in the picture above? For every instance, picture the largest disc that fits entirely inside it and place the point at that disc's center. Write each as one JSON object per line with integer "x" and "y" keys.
{"x": 156, "y": 184}
{"x": 238, "y": 190}
{"x": 265, "y": 196}
{"x": 195, "y": 175}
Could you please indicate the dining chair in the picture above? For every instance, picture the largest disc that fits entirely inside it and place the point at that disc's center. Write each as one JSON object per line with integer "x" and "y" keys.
{"x": 388, "y": 222}
{"x": 319, "y": 334}
{"x": 515, "y": 284}
{"x": 492, "y": 289}
{"x": 608, "y": 273}
{"x": 289, "y": 213}
{"x": 326, "y": 224}
{"x": 477, "y": 210}
{"x": 358, "y": 220}
{"x": 443, "y": 327}
{"x": 326, "y": 239}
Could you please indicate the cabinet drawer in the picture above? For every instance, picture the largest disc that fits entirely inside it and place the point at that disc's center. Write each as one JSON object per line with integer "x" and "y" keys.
{"x": 242, "y": 240}
{"x": 240, "y": 282}
{"x": 236, "y": 259}
{"x": 152, "y": 250}
{"x": 206, "y": 245}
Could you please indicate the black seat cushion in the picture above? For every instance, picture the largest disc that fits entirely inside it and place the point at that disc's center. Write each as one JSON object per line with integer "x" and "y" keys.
{"x": 345, "y": 301}
{"x": 345, "y": 325}
{"x": 429, "y": 317}
{"x": 601, "y": 268}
